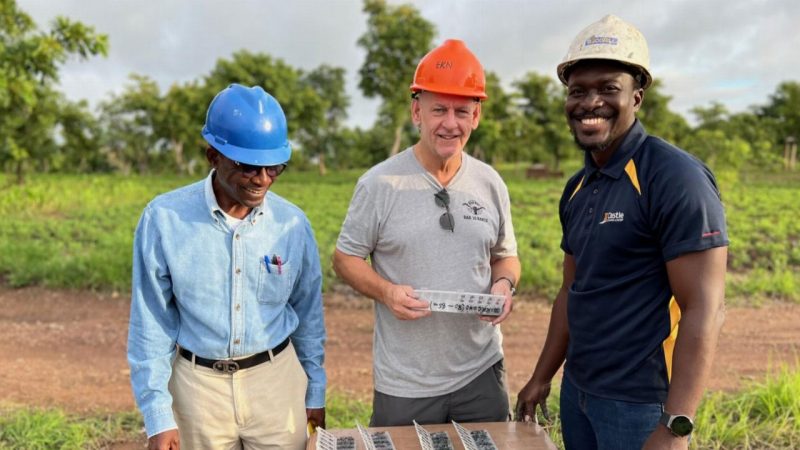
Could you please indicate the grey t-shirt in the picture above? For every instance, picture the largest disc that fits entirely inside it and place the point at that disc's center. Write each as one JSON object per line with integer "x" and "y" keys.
{"x": 394, "y": 219}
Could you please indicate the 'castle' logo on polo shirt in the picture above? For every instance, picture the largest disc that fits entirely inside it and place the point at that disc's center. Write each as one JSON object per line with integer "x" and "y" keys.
{"x": 612, "y": 217}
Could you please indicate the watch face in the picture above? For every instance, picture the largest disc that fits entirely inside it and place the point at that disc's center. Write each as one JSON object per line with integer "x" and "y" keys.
{"x": 681, "y": 425}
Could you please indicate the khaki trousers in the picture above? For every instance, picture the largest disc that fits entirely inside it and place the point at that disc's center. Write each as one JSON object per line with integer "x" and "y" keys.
{"x": 262, "y": 407}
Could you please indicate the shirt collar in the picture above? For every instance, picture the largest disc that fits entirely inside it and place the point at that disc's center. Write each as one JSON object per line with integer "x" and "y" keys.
{"x": 211, "y": 199}
{"x": 627, "y": 148}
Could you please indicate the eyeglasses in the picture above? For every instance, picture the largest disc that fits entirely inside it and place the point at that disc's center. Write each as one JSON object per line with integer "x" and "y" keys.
{"x": 446, "y": 220}
{"x": 250, "y": 170}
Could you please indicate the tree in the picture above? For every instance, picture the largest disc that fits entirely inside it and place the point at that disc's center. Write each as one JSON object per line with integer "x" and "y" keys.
{"x": 541, "y": 100}
{"x": 179, "y": 117}
{"x": 29, "y": 62}
{"x": 488, "y": 141}
{"x": 80, "y": 135}
{"x": 658, "y": 119}
{"x": 782, "y": 113}
{"x": 129, "y": 122}
{"x": 397, "y": 37}
{"x": 328, "y": 83}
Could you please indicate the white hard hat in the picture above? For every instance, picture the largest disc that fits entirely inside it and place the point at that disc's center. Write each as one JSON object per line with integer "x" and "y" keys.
{"x": 610, "y": 38}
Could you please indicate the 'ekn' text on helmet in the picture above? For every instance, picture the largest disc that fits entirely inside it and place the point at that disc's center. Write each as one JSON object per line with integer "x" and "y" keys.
{"x": 450, "y": 68}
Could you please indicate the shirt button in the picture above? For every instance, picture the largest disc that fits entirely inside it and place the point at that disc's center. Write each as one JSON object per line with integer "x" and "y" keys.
{"x": 238, "y": 307}
{"x": 238, "y": 271}
{"x": 236, "y": 342}
{"x": 237, "y": 236}
{"x": 591, "y": 210}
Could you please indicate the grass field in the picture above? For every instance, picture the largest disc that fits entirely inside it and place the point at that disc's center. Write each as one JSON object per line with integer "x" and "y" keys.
{"x": 765, "y": 415}
{"x": 76, "y": 231}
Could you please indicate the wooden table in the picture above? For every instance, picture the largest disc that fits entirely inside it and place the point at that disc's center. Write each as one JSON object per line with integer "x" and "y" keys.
{"x": 506, "y": 435}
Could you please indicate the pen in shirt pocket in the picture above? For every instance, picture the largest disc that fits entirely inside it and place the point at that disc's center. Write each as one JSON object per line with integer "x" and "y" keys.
{"x": 276, "y": 259}
{"x": 266, "y": 263}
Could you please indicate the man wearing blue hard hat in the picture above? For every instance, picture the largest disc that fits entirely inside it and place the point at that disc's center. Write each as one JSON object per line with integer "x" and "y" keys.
{"x": 226, "y": 338}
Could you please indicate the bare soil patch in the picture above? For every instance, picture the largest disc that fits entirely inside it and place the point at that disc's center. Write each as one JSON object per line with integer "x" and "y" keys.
{"x": 66, "y": 349}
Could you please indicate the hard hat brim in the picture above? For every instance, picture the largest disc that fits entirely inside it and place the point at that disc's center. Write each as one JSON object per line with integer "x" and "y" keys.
{"x": 471, "y": 93}
{"x": 564, "y": 67}
{"x": 263, "y": 157}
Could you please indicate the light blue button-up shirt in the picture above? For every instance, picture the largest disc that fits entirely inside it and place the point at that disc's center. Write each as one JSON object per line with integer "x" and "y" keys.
{"x": 215, "y": 291}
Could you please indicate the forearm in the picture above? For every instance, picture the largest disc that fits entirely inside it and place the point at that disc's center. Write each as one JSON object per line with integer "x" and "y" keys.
{"x": 693, "y": 357}
{"x": 508, "y": 267}
{"x": 356, "y": 272}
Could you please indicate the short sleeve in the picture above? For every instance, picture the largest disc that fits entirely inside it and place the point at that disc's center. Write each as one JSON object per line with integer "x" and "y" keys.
{"x": 359, "y": 233}
{"x": 687, "y": 211}
{"x": 506, "y": 245}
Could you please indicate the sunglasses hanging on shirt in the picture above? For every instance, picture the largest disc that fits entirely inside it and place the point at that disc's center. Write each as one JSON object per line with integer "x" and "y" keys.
{"x": 446, "y": 220}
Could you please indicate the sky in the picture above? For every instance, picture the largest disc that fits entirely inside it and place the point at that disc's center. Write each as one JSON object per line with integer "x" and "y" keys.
{"x": 734, "y": 52}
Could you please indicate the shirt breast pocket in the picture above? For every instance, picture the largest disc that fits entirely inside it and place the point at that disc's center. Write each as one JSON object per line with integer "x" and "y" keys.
{"x": 274, "y": 283}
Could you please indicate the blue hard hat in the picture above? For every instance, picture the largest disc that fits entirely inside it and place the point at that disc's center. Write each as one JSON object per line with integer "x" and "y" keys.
{"x": 247, "y": 125}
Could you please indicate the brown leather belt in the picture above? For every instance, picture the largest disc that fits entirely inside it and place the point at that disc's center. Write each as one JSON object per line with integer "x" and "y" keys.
{"x": 230, "y": 365}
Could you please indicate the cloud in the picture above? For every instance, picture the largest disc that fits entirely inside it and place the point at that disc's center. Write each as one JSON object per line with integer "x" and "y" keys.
{"x": 734, "y": 52}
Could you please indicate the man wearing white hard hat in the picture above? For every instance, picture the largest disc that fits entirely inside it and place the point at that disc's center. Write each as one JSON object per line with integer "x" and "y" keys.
{"x": 645, "y": 248}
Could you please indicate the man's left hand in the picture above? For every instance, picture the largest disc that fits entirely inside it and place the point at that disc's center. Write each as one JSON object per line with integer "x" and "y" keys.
{"x": 501, "y": 287}
{"x": 663, "y": 439}
{"x": 316, "y": 417}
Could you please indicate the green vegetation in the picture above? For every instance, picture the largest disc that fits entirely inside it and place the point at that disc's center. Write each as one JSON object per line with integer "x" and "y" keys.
{"x": 30, "y": 429}
{"x": 764, "y": 415}
{"x": 342, "y": 411}
{"x": 76, "y": 231}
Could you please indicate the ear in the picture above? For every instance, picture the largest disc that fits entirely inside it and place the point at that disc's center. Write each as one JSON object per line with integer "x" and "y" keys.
{"x": 212, "y": 155}
{"x": 638, "y": 98}
{"x": 476, "y": 115}
{"x": 416, "y": 116}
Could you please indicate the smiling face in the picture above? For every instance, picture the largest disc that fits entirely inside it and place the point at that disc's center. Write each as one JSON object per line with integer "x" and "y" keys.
{"x": 445, "y": 122}
{"x": 602, "y": 100}
{"x": 236, "y": 193}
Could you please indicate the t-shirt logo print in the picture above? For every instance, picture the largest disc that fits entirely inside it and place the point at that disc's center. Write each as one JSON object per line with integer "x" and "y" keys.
{"x": 474, "y": 207}
{"x": 475, "y": 210}
{"x": 612, "y": 217}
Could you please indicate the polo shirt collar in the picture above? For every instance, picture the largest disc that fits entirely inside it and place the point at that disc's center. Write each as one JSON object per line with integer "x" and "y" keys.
{"x": 616, "y": 165}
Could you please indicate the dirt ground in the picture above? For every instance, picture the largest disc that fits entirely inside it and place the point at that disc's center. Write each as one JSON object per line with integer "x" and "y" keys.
{"x": 66, "y": 349}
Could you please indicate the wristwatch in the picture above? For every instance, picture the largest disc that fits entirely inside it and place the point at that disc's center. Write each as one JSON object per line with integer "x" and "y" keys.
{"x": 679, "y": 425}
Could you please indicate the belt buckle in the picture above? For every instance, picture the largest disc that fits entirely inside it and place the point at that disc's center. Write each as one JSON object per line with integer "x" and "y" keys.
{"x": 228, "y": 366}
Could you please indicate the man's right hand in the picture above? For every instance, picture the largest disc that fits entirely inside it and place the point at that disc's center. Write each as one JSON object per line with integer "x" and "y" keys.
{"x": 534, "y": 393}
{"x": 166, "y": 440}
{"x": 404, "y": 303}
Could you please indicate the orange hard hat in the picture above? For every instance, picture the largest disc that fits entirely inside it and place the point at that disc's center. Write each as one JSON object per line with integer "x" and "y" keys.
{"x": 450, "y": 69}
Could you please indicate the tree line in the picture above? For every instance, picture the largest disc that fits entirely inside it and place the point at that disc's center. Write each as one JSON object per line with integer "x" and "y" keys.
{"x": 144, "y": 129}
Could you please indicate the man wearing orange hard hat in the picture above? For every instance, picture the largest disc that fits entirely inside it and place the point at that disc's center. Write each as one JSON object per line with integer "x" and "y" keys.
{"x": 433, "y": 218}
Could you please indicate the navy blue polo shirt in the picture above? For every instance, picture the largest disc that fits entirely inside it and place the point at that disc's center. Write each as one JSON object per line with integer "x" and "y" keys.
{"x": 651, "y": 203}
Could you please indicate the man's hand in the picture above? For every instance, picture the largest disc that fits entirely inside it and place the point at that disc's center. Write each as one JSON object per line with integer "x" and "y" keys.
{"x": 663, "y": 439}
{"x": 404, "y": 303}
{"x": 534, "y": 393}
{"x": 316, "y": 417}
{"x": 166, "y": 440}
{"x": 501, "y": 287}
